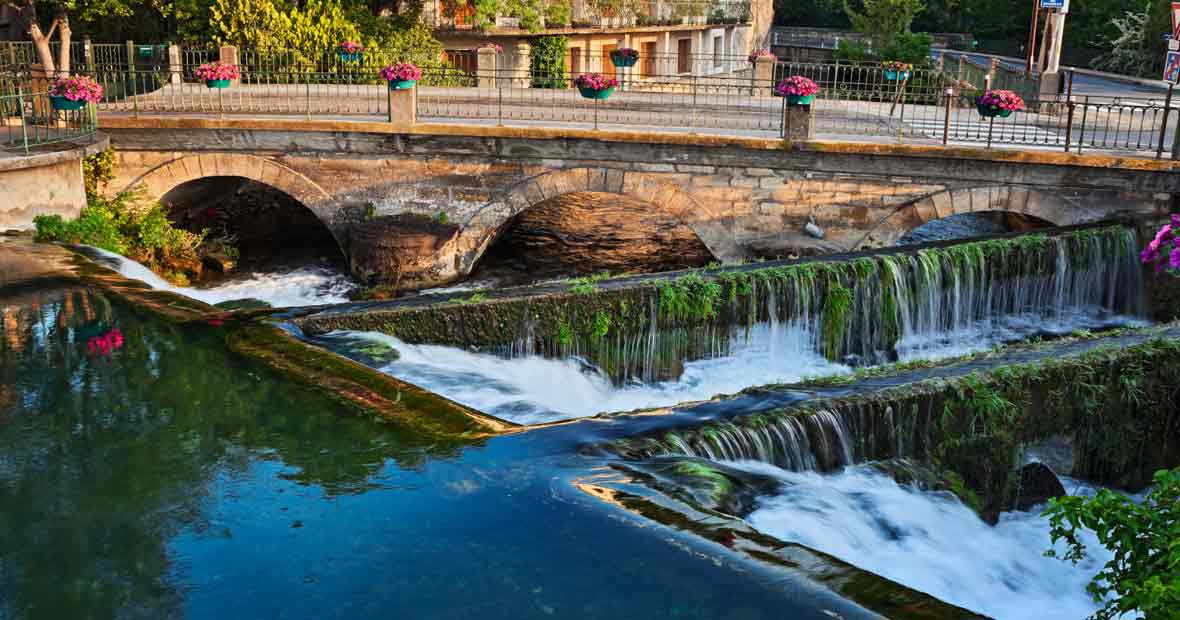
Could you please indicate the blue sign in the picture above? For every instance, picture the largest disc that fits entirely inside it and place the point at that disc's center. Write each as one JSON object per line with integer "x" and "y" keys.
{"x": 1172, "y": 67}
{"x": 1052, "y": 4}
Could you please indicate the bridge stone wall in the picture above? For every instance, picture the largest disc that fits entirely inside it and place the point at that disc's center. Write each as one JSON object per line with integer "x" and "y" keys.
{"x": 742, "y": 197}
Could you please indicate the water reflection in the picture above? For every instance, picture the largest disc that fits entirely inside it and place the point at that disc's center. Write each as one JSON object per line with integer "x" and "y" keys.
{"x": 113, "y": 429}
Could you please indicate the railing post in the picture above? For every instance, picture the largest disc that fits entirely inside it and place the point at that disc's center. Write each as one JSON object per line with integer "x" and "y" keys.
{"x": 88, "y": 53}
{"x": 228, "y": 55}
{"x": 763, "y": 75}
{"x": 946, "y": 121}
{"x": 1085, "y": 113}
{"x": 485, "y": 67}
{"x": 403, "y": 107}
{"x": 1069, "y": 110}
{"x": 175, "y": 69}
{"x": 12, "y": 53}
{"x": 1159, "y": 151}
{"x": 24, "y": 123}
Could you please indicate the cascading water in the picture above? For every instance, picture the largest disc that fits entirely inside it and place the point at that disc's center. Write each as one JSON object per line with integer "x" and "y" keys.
{"x": 534, "y": 389}
{"x": 302, "y": 286}
{"x": 932, "y": 303}
{"x": 931, "y": 542}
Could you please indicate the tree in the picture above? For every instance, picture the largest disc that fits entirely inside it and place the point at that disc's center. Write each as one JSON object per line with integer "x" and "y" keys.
{"x": 41, "y": 38}
{"x": 1143, "y": 579}
{"x": 884, "y": 19}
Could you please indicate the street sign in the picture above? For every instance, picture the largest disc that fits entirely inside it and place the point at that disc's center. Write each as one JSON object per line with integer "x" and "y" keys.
{"x": 1176, "y": 20}
{"x": 1055, "y": 4}
{"x": 1172, "y": 67}
{"x": 1174, "y": 45}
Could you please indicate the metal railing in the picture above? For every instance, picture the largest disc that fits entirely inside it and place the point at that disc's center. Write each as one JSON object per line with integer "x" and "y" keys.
{"x": 29, "y": 121}
{"x": 716, "y": 93}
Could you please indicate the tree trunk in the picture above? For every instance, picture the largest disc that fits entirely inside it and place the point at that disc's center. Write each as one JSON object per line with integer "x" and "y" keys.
{"x": 28, "y": 15}
{"x": 63, "y": 35}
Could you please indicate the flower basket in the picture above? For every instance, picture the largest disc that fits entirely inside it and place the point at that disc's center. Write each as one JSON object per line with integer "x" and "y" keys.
{"x": 74, "y": 93}
{"x": 590, "y": 93}
{"x": 1001, "y": 103}
{"x": 987, "y": 111}
{"x": 62, "y": 104}
{"x": 216, "y": 74}
{"x": 624, "y": 57}
{"x": 352, "y": 56}
{"x": 595, "y": 86}
{"x": 401, "y": 76}
{"x": 351, "y": 51}
{"x": 798, "y": 90}
{"x": 894, "y": 75}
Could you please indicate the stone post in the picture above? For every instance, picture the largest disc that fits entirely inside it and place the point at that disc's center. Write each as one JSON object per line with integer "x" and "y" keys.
{"x": 88, "y": 53}
{"x": 797, "y": 123}
{"x": 521, "y": 66}
{"x": 175, "y": 69}
{"x": 403, "y": 107}
{"x": 486, "y": 60}
{"x": 228, "y": 55}
{"x": 763, "y": 76}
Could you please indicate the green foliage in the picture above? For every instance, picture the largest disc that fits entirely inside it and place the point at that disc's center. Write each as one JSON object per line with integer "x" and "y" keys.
{"x": 689, "y": 298}
{"x": 441, "y": 218}
{"x": 565, "y": 333}
{"x": 588, "y": 284}
{"x": 475, "y": 298}
{"x": 837, "y": 303}
{"x": 548, "y": 61}
{"x": 883, "y": 19}
{"x": 910, "y": 47}
{"x": 1143, "y": 578}
{"x": 601, "y": 326}
{"x": 98, "y": 170}
{"x": 140, "y": 232}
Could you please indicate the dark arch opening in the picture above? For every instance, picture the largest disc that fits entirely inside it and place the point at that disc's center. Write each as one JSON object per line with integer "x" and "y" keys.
{"x": 583, "y": 233}
{"x": 267, "y": 227}
{"x": 977, "y": 224}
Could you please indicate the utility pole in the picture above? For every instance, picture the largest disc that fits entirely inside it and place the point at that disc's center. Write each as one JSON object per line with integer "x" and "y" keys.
{"x": 1032, "y": 39}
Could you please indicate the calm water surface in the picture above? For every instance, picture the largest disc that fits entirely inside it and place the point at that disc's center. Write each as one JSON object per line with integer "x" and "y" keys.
{"x": 146, "y": 472}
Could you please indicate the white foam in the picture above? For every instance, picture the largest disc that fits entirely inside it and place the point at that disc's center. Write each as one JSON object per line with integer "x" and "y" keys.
{"x": 303, "y": 286}
{"x": 534, "y": 389}
{"x": 931, "y": 542}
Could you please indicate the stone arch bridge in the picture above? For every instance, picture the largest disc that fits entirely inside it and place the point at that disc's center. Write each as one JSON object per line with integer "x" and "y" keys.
{"x": 742, "y": 197}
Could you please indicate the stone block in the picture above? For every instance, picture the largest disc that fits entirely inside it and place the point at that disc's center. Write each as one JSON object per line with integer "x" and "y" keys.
{"x": 695, "y": 168}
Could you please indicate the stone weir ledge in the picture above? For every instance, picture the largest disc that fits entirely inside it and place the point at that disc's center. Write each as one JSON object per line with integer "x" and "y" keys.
{"x": 648, "y": 325}
{"x": 1104, "y": 403}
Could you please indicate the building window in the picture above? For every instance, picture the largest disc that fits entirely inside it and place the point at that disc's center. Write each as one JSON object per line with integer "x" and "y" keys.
{"x": 647, "y": 59}
{"x": 718, "y": 50}
{"x": 575, "y": 61}
{"x": 683, "y": 55}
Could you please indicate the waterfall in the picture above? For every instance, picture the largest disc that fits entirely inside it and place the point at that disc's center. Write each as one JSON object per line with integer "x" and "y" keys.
{"x": 934, "y": 302}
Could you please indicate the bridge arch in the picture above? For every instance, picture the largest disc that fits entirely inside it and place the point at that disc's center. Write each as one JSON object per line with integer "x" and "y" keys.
{"x": 491, "y": 220}
{"x": 160, "y": 180}
{"x": 1039, "y": 205}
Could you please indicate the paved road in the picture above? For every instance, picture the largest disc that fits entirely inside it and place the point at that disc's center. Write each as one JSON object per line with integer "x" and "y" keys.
{"x": 1102, "y": 85}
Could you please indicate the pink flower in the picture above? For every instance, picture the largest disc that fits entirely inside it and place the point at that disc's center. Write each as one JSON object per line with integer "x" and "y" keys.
{"x": 595, "y": 82}
{"x": 1001, "y": 100}
{"x": 401, "y": 72}
{"x": 796, "y": 86}
{"x": 212, "y": 71}
{"x": 351, "y": 47}
{"x": 77, "y": 88}
{"x": 762, "y": 53}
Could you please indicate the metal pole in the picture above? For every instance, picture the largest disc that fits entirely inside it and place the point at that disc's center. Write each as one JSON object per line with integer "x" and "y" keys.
{"x": 1159, "y": 151}
{"x": 946, "y": 121}
{"x": 500, "y": 104}
{"x": 24, "y": 123}
{"x": 693, "y": 127}
{"x": 1085, "y": 112}
{"x": 307, "y": 91}
{"x": 1069, "y": 114}
{"x": 1032, "y": 39}
{"x": 991, "y": 122}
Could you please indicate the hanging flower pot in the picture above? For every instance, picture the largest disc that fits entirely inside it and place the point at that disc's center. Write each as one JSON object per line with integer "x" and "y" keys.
{"x": 1001, "y": 103}
{"x": 74, "y": 93}
{"x": 401, "y": 76}
{"x": 350, "y": 51}
{"x": 595, "y": 86}
{"x": 217, "y": 75}
{"x": 797, "y": 89}
{"x": 895, "y": 70}
{"x": 624, "y": 57}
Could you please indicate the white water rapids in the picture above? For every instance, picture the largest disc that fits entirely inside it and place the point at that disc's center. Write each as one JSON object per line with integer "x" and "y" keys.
{"x": 301, "y": 286}
{"x": 931, "y": 542}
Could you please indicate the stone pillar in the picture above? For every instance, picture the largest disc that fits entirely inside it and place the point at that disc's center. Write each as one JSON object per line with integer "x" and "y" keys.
{"x": 521, "y": 68}
{"x": 797, "y": 123}
{"x": 88, "y": 53}
{"x": 228, "y": 55}
{"x": 485, "y": 66}
{"x": 403, "y": 107}
{"x": 175, "y": 69}
{"x": 763, "y": 79}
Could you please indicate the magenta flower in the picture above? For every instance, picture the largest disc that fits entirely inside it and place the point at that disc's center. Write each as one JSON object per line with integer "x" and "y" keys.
{"x": 401, "y": 72}
{"x": 105, "y": 344}
{"x": 351, "y": 47}
{"x": 796, "y": 86}
{"x": 1168, "y": 260}
{"x": 595, "y": 82}
{"x": 214, "y": 71}
{"x": 76, "y": 88}
{"x": 762, "y": 53}
{"x": 1001, "y": 100}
